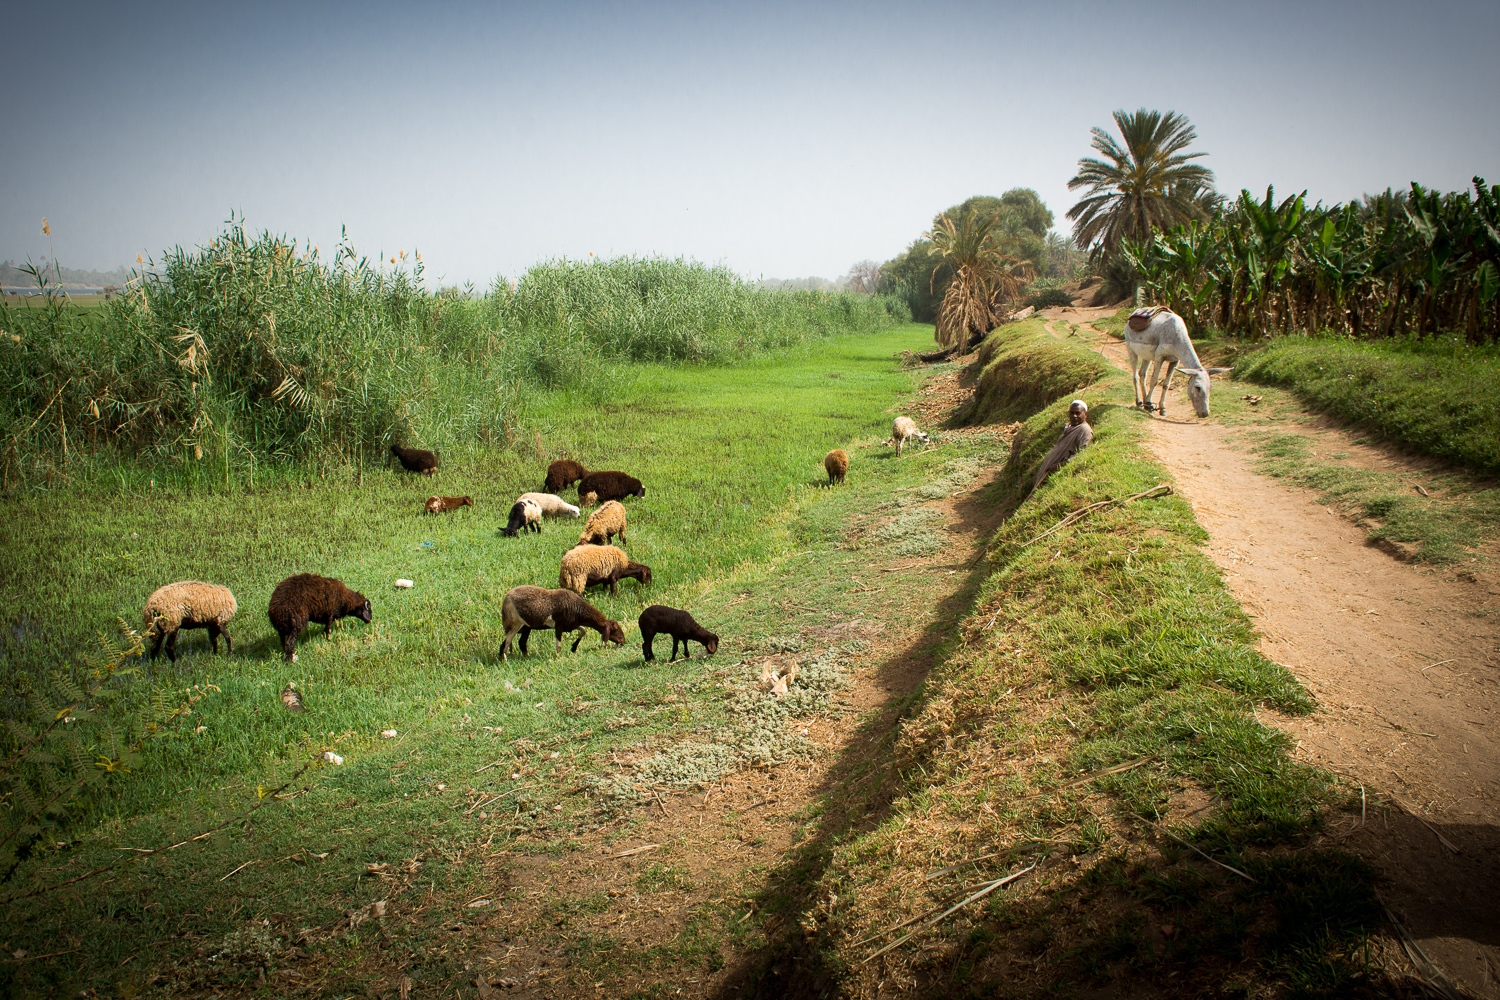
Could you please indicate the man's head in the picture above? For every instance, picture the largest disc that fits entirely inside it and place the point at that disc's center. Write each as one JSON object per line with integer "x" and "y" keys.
{"x": 1078, "y": 412}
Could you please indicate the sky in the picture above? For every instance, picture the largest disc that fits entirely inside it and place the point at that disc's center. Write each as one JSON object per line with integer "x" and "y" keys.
{"x": 776, "y": 139}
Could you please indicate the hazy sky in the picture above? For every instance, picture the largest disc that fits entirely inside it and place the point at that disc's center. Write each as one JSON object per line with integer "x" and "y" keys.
{"x": 777, "y": 139}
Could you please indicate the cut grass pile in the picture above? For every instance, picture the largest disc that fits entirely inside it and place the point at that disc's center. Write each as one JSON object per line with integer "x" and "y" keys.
{"x": 484, "y": 749}
{"x": 1435, "y": 395}
{"x": 1101, "y": 693}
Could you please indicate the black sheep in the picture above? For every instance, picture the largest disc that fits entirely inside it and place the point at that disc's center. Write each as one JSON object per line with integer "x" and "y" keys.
{"x": 523, "y": 514}
{"x": 308, "y": 597}
{"x": 610, "y": 485}
{"x": 563, "y": 472}
{"x": 416, "y": 460}
{"x": 679, "y": 625}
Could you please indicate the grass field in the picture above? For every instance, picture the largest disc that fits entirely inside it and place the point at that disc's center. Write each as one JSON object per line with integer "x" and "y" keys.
{"x": 725, "y": 453}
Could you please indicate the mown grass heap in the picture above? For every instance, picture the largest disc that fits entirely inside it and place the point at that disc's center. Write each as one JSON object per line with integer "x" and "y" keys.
{"x": 250, "y": 351}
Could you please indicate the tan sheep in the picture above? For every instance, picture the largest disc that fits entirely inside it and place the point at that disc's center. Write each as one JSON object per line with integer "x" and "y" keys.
{"x": 188, "y": 604}
{"x": 583, "y": 565}
{"x": 604, "y": 524}
{"x": 837, "y": 464}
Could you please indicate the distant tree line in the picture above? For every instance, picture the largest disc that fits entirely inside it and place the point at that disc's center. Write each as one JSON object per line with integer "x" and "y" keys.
{"x": 12, "y": 276}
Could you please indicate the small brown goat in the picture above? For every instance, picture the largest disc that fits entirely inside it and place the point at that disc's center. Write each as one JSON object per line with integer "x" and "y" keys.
{"x": 439, "y": 505}
{"x": 416, "y": 460}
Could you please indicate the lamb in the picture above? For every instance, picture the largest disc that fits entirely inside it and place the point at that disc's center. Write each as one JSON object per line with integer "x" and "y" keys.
{"x": 416, "y": 460}
{"x": 524, "y": 515}
{"x": 903, "y": 429}
{"x": 526, "y": 608}
{"x": 610, "y": 485}
{"x": 438, "y": 505}
{"x": 1158, "y": 337}
{"x": 604, "y": 524}
{"x": 583, "y": 565}
{"x": 680, "y": 626}
{"x": 188, "y": 604}
{"x": 552, "y": 506}
{"x": 308, "y": 597}
{"x": 837, "y": 464}
{"x": 563, "y": 472}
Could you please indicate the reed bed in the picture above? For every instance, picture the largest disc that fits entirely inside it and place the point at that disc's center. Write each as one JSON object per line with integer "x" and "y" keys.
{"x": 251, "y": 355}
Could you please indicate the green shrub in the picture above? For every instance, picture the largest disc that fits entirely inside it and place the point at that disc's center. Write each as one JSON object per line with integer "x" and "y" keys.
{"x": 1022, "y": 369}
{"x": 1050, "y": 297}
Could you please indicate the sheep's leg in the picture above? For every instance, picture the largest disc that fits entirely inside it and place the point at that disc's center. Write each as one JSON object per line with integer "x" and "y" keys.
{"x": 228, "y": 642}
{"x": 213, "y": 636}
{"x": 646, "y": 652}
{"x": 622, "y": 536}
{"x": 160, "y": 637}
{"x": 506, "y": 642}
{"x": 172, "y": 645}
{"x": 581, "y": 633}
{"x": 687, "y": 653}
{"x": 525, "y": 634}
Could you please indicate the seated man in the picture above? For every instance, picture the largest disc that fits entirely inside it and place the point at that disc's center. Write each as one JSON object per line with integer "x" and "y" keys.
{"x": 1075, "y": 436}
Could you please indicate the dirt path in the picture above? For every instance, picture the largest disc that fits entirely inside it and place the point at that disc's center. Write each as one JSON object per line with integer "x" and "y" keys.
{"x": 1404, "y": 662}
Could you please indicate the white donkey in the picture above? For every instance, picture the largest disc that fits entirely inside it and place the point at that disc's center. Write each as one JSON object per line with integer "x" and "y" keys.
{"x": 1163, "y": 341}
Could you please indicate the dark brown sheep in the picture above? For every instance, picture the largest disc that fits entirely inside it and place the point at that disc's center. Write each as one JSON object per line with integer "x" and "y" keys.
{"x": 610, "y": 485}
{"x": 307, "y": 597}
{"x": 416, "y": 460}
{"x": 526, "y": 608}
{"x": 563, "y": 472}
{"x": 679, "y": 625}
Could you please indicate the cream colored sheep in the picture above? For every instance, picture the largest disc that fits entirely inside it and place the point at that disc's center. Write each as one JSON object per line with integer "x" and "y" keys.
{"x": 551, "y": 504}
{"x": 188, "y": 604}
{"x": 604, "y": 524}
{"x": 903, "y": 429}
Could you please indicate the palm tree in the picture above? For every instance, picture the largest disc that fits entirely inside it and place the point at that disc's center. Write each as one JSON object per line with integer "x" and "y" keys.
{"x": 1145, "y": 185}
{"x": 983, "y": 277}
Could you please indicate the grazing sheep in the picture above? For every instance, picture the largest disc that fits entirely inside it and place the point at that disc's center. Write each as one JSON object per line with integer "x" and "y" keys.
{"x": 308, "y": 597}
{"x": 583, "y": 565}
{"x": 438, "y": 505}
{"x": 416, "y": 460}
{"x": 837, "y": 464}
{"x": 563, "y": 472}
{"x": 524, "y": 514}
{"x": 903, "y": 429}
{"x": 1158, "y": 337}
{"x": 188, "y": 604}
{"x": 604, "y": 524}
{"x": 588, "y": 499}
{"x": 679, "y": 625}
{"x": 611, "y": 485}
{"x": 526, "y": 608}
{"x": 552, "y": 506}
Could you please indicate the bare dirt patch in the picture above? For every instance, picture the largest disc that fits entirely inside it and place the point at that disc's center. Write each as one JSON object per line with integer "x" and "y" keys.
{"x": 1404, "y": 661}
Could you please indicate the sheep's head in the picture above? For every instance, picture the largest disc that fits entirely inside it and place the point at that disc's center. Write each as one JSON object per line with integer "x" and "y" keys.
{"x": 1197, "y": 389}
{"x": 712, "y": 645}
{"x": 364, "y": 613}
{"x": 614, "y": 632}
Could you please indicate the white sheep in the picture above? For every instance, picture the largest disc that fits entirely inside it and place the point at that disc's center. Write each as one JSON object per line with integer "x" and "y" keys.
{"x": 604, "y": 524}
{"x": 551, "y": 504}
{"x": 1158, "y": 337}
{"x": 903, "y": 429}
{"x": 188, "y": 604}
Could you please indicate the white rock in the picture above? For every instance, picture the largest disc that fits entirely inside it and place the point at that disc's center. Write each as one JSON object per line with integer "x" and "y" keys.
{"x": 333, "y": 758}
{"x": 405, "y": 583}
{"x": 389, "y": 734}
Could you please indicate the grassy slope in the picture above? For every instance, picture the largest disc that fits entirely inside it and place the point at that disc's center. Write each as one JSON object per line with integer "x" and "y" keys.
{"x": 1437, "y": 397}
{"x": 1111, "y": 643}
{"x": 724, "y": 453}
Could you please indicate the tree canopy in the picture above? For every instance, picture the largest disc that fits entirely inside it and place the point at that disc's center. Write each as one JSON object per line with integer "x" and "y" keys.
{"x": 1145, "y": 183}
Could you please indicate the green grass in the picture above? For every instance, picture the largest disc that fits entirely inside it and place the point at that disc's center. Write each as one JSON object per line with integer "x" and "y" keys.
{"x": 727, "y": 455}
{"x": 1436, "y": 396}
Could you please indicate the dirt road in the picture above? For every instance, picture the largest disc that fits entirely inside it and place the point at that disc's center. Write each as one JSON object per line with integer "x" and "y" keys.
{"x": 1404, "y": 661}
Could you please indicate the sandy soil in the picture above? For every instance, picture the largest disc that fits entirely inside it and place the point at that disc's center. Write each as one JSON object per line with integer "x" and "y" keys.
{"x": 1403, "y": 660}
